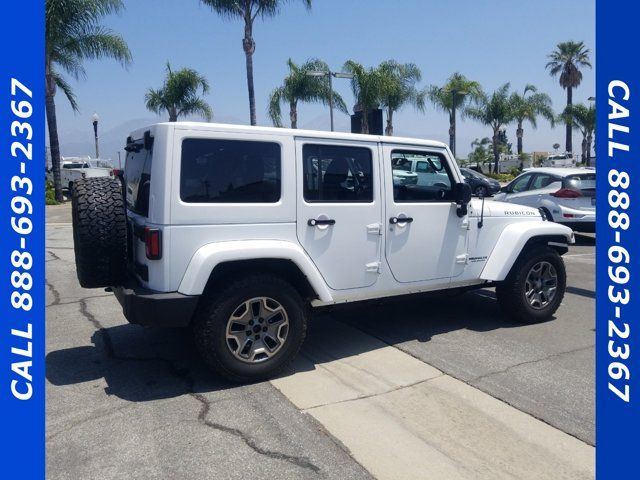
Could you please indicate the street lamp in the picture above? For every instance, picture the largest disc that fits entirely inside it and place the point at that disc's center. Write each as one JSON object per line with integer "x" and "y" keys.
{"x": 592, "y": 99}
{"x": 94, "y": 120}
{"x": 452, "y": 136}
{"x": 330, "y": 74}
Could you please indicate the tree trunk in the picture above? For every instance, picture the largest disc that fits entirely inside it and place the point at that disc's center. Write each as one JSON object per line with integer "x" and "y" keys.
{"x": 249, "y": 46}
{"x": 389, "y": 130}
{"x": 54, "y": 144}
{"x": 569, "y": 141}
{"x": 589, "y": 140}
{"x": 583, "y": 155}
{"x": 293, "y": 114}
{"x": 365, "y": 120}
{"x": 520, "y": 134}
{"x": 496, "y": 155}
{"x": 173, "y": 115}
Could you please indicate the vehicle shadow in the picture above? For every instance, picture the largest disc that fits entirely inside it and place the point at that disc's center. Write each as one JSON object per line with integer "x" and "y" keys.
{"x": 143, "y": 364}
{"x": 584, "y": 240}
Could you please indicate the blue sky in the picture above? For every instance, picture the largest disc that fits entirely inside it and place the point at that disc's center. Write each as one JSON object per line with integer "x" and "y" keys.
{"x": 491, "y": 41}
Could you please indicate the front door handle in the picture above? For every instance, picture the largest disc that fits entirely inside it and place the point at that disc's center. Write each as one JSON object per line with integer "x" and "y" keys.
{"x": 312, "y": 222}
{"x": 396, "y": 220}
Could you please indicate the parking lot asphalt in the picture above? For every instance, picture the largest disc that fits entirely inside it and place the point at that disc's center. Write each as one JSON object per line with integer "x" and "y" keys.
{"x": 124, "y": 401}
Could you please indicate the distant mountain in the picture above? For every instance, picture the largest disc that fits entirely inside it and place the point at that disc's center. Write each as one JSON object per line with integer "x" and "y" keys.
{"x": 74, "y": 142}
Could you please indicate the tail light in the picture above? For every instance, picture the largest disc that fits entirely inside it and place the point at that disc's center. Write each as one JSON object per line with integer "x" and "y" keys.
{"x": 153, "y": 243}
{"x": 566, "y": 193}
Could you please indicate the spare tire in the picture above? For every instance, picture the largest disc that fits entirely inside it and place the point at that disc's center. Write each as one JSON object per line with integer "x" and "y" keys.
{"x": 99, "y": 232}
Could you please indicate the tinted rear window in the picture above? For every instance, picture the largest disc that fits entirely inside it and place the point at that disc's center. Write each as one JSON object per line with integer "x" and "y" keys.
{"x": 137, "y": 176}
{"x": 583, "y": 181}
{"x": 229, "y": 171}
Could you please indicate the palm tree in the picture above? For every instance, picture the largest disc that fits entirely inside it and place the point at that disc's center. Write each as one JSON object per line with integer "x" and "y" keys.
{"x": 299, "y": 86}
{"x": 398, "y": 88}
{"x": 528, "y": 107}
{"x": 584, "y": 118}
{"x": 495, "y": 111}
{"x": 248, "y": 11}
{"x": 179, "y": 95}
{"x": 73, "y": 34}
{"x": 454, "y": 95}
{"x": 366, "y": 88}
{"x": 566, "y": 60}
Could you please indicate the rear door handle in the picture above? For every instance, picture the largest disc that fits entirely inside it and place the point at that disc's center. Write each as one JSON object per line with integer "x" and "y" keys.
{"x": 312, "y": 222}
{"x": 396, "y": 220}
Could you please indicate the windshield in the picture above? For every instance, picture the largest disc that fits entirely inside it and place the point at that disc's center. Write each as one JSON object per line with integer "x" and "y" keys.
{"x": 401, "y": 164}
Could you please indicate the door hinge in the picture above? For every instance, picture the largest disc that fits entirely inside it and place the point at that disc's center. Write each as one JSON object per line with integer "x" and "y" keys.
{"x": 373, "y": 267}
{"x": 462, "y": 259}
{"x": 374, "y": 229}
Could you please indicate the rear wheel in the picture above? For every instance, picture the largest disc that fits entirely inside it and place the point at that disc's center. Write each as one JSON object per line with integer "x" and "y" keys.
{"x": 99, "y": 232}
{"x": 535, "y": 286}
{"x": 252, "y": 329}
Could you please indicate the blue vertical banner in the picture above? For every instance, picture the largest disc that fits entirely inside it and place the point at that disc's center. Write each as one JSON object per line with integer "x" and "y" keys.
{"x": 22, "y": 325}
{"x": 618, "y": 240}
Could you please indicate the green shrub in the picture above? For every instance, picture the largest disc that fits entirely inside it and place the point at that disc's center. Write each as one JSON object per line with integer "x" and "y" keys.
{"x": 501, "y": 177}
{"x": 50, "y": 194}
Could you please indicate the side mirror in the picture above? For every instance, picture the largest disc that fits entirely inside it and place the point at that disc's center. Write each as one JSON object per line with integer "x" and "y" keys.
{"x": 462, "y": 193}
{"x": 462, "y": 196}
{"x": 505, "y": 189}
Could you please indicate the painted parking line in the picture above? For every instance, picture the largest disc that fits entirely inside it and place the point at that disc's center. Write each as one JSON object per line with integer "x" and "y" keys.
{"x": 403, "y": 419}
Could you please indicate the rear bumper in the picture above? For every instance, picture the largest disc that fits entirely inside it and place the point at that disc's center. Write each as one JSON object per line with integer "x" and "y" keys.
{"x": 149, "y": 308}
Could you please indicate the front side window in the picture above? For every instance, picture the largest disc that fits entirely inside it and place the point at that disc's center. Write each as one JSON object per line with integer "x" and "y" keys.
{"x": 434, "y": 180}
{"x": 543, "y": 180}
{"x": 229, "y": 171}
{"x": 335, "y": 173}
{"x": 520, "y": 184}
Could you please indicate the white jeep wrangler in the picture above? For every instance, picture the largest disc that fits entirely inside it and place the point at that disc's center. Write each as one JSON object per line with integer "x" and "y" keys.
{"x": 237, "y": 231}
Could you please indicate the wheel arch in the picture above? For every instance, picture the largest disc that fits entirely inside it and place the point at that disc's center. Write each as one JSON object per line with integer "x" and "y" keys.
{"x": 216, "y": 262}
{"x": 518, "y": 238}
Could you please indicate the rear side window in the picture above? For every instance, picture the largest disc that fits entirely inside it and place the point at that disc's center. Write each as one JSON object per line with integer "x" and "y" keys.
{"x": 137, "y": 175}
{"x": 229, "y": 171}
{"x": 335, "y": 173}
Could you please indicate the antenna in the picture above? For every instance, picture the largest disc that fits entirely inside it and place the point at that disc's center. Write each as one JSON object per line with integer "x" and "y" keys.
{"x": 481, "y": 222}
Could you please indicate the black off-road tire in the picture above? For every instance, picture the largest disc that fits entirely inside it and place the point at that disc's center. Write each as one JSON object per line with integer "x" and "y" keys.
{"x": 99, "y": 232}
{"x": 511, "y": 292}
{"x": 216, "y": 307}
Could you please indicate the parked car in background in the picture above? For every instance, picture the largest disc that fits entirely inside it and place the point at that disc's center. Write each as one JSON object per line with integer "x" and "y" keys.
{"x": 72, "y": 170}
{"x": 559, "y": 160}
{"x": 565, "y": 195}
{"x": 481, "y": 185}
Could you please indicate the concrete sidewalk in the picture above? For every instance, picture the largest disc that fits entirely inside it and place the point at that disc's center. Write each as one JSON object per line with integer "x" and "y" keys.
{"x": 403, "y": 419}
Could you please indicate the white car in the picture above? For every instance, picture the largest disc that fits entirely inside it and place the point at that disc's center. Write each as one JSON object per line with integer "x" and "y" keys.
{"x": 240, "y": 231}
{"x": 73, "y": 170}
{"x": 565, "y": 195}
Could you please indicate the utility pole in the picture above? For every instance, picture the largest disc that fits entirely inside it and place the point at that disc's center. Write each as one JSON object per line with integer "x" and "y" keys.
{"x": 331, "y": 75}
{"x": 94, "y": 120}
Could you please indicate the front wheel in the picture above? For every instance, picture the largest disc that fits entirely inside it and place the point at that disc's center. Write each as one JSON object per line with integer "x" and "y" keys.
{"x": 535, "y": 286}
{"x": 252, "y": 329}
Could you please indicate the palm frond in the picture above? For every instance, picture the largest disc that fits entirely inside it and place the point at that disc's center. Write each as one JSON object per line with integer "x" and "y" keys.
{"x": 67, "y": 90}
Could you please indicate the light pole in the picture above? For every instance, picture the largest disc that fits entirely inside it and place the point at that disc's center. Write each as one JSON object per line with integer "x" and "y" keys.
{"x": 330, "y": 74}
{"x": 94, "y": 120}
